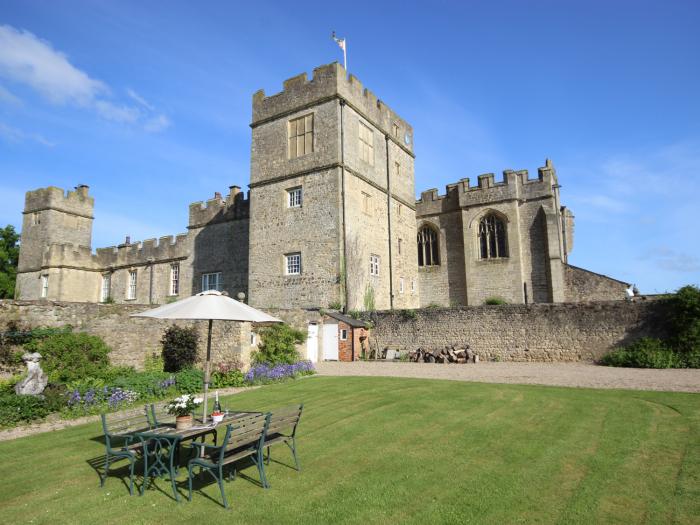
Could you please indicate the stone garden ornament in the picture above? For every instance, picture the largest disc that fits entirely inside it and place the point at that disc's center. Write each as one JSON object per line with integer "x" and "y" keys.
{"x": 36, "y": 379}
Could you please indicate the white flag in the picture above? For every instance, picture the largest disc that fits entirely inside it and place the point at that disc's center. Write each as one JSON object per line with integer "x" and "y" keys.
{"x": 340, "y": 42}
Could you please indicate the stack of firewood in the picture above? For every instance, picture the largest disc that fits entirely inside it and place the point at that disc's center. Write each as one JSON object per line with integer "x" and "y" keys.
{"x": 448, "y": 354}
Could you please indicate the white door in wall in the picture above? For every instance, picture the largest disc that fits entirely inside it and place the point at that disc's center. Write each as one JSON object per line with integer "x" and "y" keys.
{"x": 330, "y": 342}
{"x": 312, "y": 343}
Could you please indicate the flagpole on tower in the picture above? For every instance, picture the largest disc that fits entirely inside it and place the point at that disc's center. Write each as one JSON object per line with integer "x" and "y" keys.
{"x": 343, "y": 46}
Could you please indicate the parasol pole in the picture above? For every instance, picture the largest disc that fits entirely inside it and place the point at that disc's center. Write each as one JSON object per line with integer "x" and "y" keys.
{"x": 207, "y": 377}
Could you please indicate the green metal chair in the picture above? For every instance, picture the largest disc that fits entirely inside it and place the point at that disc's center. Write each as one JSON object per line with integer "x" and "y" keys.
{"x": 283, "y": 429}
{"x": 120, "y": 442}
{"x": 244, "y": 438}
{"x": 158, "y": 416}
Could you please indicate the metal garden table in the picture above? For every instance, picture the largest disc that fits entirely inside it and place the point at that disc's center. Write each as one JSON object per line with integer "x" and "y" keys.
{"x": 160, "y": 447}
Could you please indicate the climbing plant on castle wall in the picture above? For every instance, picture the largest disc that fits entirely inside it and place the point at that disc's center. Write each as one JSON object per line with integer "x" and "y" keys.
{"x": 9, "y": 255}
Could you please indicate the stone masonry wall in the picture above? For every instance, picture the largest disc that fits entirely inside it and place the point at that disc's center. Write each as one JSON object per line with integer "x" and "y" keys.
{"x": 541, "y": 332}
{"x": 130, "y": 338}
{"x": 583, "y": 285}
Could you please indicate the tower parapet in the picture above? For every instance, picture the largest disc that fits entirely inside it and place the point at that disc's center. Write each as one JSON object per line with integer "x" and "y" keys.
{"x": 330, "y": 82}
{"x": 513, "y": 185}
{"x": 235, "y": 206}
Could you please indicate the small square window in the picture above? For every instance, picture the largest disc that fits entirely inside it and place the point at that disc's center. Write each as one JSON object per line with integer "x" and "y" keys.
{"x": 294, "y": 197}
{"x": 343, "y": 335}
{"x": 374, "y": 265}
{"x": 212, "y": 281}
{"x": 292, "y": 264}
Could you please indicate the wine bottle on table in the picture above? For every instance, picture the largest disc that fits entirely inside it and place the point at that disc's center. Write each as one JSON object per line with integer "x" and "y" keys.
{"x": 217, "y": 405}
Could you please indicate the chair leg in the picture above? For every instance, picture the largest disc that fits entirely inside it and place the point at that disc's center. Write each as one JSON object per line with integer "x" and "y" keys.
{"x": 103, "y": 477}
{"x": 189, "y": 483}
{"x": 261, "y": 469}
{"x": 267, "y": 459}
{"x": 131, "y": 477}
{"x": 294, "y": 453}
{"x": 220, "y": 480}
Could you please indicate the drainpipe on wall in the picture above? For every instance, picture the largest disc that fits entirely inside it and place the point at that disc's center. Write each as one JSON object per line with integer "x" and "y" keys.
{"x": 388, "y": 205}
{"x": 150, "y": 280}
{"x": 344, "y": 260}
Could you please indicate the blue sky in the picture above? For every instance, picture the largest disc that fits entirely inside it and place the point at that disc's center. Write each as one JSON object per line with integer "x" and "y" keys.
{"x": 149, "y": 103}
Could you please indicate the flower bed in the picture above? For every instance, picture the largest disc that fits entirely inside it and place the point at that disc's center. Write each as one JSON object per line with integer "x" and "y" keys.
{"x": 265, "y": 373}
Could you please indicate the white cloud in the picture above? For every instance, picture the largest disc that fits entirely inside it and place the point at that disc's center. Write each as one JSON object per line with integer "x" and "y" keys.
{"x": 157, "y": 124}
{"x": 14, "y": 135}
{"x": 138, "y": 98}
{"x": 27, "y": 59}
{"x": 33, "y": 62}
{"x": 7, "y": 97}
{"x": 673, "y": 261}
{"x": 116, "y": 113}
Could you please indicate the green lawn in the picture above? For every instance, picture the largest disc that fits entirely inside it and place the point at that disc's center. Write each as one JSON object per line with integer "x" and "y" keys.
{"x": 384, "y": 450}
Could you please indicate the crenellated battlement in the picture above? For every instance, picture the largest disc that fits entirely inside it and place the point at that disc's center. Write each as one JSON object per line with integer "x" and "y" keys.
{"x": 514, "y": 185}
{"x": 328, "y": 82}
{"x": 233, "y": 207}
{"x": 70, "y": 255}
{"x": 141, "y": 252}
{"x": 77, "y": 201}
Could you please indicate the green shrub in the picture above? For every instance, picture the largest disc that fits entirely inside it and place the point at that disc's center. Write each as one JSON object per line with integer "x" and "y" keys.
{"x": 7, "y": 386}
{"x": 495, "y": 301}
{"x": 17, "y": 409}
{"x": 278, "y": 345}
{"x": 179, "y": 348}
{"x": 408, "y": 315}
{"x": 153, "y": 362}
{"x": 70, "y": 356}
{"x": 434, "y": 306}
{"x": 234, "y": 378}
{"x": 147, "y": 384}
{"x": 55, "y": 397}
{"x": 189, "y": 381}
{"x": 684, "y": 321}
{"x": 644, "y": 353}
{"x": 337, "y": 305}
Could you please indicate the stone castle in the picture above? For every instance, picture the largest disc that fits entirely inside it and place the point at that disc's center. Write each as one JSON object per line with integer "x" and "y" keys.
{"x": 330, "y": 220}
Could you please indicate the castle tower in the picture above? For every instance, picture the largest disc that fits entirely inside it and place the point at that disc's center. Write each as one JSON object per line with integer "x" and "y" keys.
{"x": 332, "y": 207}
{"x": 51, "y": 217}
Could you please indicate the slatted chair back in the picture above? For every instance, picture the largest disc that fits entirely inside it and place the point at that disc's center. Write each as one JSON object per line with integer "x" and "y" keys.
{"x": 158, "y": 415}
{"x": 120, "y": 427}
{"x": 248, "y": 431}
{"x": 285, "y": 419}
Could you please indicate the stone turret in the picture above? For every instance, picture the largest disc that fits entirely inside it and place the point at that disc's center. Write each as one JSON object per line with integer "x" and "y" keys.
{"x": 52, "y": 216}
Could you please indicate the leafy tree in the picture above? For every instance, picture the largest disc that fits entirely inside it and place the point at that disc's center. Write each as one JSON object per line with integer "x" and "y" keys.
{"x": 179, "y": 348}
{"x": 9, "y": 255}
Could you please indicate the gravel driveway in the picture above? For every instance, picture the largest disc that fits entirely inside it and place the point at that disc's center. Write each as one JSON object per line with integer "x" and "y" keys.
{"x": 557, "y": 374}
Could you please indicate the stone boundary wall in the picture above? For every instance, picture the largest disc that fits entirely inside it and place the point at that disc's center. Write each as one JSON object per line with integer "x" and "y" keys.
{"x": 539, "y": 332}
{"x": 131, "y": 338}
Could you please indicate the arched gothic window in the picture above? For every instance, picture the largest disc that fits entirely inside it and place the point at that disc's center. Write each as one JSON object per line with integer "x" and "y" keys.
{"x": 428, "y": 247}
{"x": 492, "y": 237}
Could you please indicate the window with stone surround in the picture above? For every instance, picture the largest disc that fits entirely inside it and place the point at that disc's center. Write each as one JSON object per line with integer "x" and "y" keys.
{"x": 366, "y": 144}
{"x": 401, "y": 285}
{"x": 294, "y": 197}
{"x": 175, "y": 279}
{"x": 301, "y": 136}
{"x": 400, "y": 243}
{"x": 428, "y": 247}
{"x": 212, "y": 281}
{"x": 374, "y": 265}
{"x": 292, "y": 263}
{"x": 397, "y": 170}
{"x": 44, "y": 286}
{"x": 131, "y": 288}
{"x": 105, "y": 290}
{"x": 343, "y": 334}
{"x": 395, "y": 130}
{"x": 493, "y": 243}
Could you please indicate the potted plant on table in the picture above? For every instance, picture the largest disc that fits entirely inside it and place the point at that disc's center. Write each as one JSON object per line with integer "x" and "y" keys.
{"x": 182, "y": 408}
